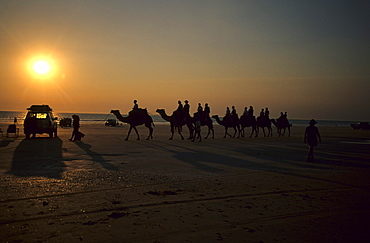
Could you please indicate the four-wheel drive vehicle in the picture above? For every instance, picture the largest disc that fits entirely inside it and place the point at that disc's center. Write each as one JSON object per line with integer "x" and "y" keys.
{"x": 40, "y": 119}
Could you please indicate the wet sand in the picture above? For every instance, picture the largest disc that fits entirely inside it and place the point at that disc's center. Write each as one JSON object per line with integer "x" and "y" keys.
{"x": 105, "y": 189}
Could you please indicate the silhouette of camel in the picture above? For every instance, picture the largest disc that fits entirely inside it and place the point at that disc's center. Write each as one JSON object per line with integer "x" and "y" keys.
{"x": 281, "y": 125}
{"x": 206, "y": 121}
{"x": 136, "y": 118}
{"x": 248, "y": 121}
{"x": 233, "y": 123}
{"x": 264, "y": 122}
{"x": 176, "y": 123}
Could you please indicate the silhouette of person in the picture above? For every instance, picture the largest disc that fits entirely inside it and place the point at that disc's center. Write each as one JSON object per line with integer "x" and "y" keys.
{"x": 198, "y": 125}
{"x": 179, "y": 107}
{"x": 186, "y": 108}
{"x": 251, "y": 111}
{"x": 311, "y": 135}
{"x": 262, "y": 113}
{"x": 227, "y": 111}
{"x": 233, "y": 111}
{"x": 207, "y": 109}
{"x": 267, "y": 112}
{"x": 76, "y": 126}
{"x": 200, "y": 108}
{"x": 245, "y": 111}
{"x": 136, "y": 106}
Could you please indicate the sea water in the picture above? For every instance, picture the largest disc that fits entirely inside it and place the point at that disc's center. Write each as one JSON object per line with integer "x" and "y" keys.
{"x": 97, "y": 118}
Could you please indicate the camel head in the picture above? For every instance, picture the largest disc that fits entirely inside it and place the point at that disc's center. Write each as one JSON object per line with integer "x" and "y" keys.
{"x": 215, "y": 116}
{"x": 114, "y": 111}
{"x": 161, "y": 111}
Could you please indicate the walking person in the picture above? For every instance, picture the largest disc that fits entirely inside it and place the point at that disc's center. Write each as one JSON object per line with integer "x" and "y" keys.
{"x": 311, "y": 135}
{"x": 76, "y": 126}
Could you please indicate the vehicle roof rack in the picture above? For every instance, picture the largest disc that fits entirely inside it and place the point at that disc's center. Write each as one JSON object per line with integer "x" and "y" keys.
{"x": 39, "y": 108}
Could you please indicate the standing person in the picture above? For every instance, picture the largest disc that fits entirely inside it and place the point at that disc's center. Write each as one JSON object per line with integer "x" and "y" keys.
{"x": 311, "y": 135}
{"x": 76, "y": 126}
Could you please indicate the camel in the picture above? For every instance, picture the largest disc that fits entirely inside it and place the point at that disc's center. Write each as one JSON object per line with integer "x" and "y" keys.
{"x": 234, "y": 123}
{"x": 281, "y": 125}
{"x": 176, "y": 123}
{"x": 262, "y": 122}
{"x": 136, "y": 118}
{"x": 248, "y": 121}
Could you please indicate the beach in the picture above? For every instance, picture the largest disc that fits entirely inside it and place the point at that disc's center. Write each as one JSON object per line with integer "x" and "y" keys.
{"x": 258, "y": 189}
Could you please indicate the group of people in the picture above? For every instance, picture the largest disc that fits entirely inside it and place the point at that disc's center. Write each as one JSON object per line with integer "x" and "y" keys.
{"x": 311, "y": 135}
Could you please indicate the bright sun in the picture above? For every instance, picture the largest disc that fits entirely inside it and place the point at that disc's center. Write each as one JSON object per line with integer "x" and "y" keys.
{"x": 41, "y": 67}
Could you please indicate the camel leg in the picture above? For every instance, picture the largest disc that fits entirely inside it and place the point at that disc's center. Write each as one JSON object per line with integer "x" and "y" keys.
{"x": 234, "y": 132}
{"x": 137, "y": 133}
{"x": 128, "y": 134}
{"x": 150, "y": 132}
{"x": 179, "y": 130}
{"x": 172, "y": 132}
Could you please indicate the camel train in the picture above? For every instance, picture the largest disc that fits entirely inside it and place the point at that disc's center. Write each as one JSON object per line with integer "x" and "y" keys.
{"x": 139, "y": 116}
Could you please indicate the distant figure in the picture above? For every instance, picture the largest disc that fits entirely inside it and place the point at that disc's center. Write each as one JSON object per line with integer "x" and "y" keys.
{"x": 76, "y": 126}
{"x": 267, "y": 112}
{"x": 179, "y": 107}
{"x": 227, "y": 111}
{"x": 233, "y": 111}
{"x": 262, "y": 113}
{"x": 15, "y": 120}
{"x": 186, "y": 108}
{"x": 198, "y": 125}
{"x": 311, "y": 135}
{"x": 200, "y": 108}
{"x": 207, "y": 110}
{"x": 251, "y": 111}
{"x": 245, "y": 113}
{"x": 136, "y": 106}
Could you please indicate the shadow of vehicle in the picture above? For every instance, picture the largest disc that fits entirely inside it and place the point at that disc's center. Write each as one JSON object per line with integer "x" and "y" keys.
{"x": 38, "y": 157}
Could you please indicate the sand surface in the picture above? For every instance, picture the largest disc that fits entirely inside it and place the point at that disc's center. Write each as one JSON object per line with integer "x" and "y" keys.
{"x": 105, "y": 189}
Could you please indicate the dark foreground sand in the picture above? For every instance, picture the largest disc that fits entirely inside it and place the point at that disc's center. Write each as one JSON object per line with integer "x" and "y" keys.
{"x": 105, "y": 189}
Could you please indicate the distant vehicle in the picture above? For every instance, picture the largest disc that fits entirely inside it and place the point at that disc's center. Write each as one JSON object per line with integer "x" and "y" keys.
{"x": 111, "y": 122}
{"x": 65, "y": 122}
{"x": 361, "y": 125}
{"x": 40, "y": 119}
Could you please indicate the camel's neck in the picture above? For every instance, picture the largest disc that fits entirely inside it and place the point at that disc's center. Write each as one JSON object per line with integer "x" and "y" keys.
{"x": 218, "y": 120}
{"x": 165, "y": 116}
{"x": 121, "y": 118}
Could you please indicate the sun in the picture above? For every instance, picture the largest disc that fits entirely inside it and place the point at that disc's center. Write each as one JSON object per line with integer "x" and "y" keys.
{"x": 41, "y": 67}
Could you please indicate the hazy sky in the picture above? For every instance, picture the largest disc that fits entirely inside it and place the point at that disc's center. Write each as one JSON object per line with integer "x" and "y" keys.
{"x": 309, "y": 58}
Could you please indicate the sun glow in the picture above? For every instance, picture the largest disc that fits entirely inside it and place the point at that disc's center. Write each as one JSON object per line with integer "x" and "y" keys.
{"x": 41, "y": 67}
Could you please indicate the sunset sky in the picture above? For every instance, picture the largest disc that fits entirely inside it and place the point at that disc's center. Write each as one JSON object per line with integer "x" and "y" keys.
{"x": 309, "y": 58}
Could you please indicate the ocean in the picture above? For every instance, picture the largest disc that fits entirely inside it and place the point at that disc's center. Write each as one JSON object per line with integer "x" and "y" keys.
{"x": 96, "y": 118}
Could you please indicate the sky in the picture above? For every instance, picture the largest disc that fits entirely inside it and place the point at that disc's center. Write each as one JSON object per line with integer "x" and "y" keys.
{"x": 308, "y": 58}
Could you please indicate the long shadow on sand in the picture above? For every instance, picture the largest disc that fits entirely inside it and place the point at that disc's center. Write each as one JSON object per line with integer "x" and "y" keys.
{"x": 96, "y": 156}
{"x": 38, "y": 157}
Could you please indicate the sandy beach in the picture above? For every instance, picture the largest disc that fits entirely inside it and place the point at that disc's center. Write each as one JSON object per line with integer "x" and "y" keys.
{"x": 105, "y": 189}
